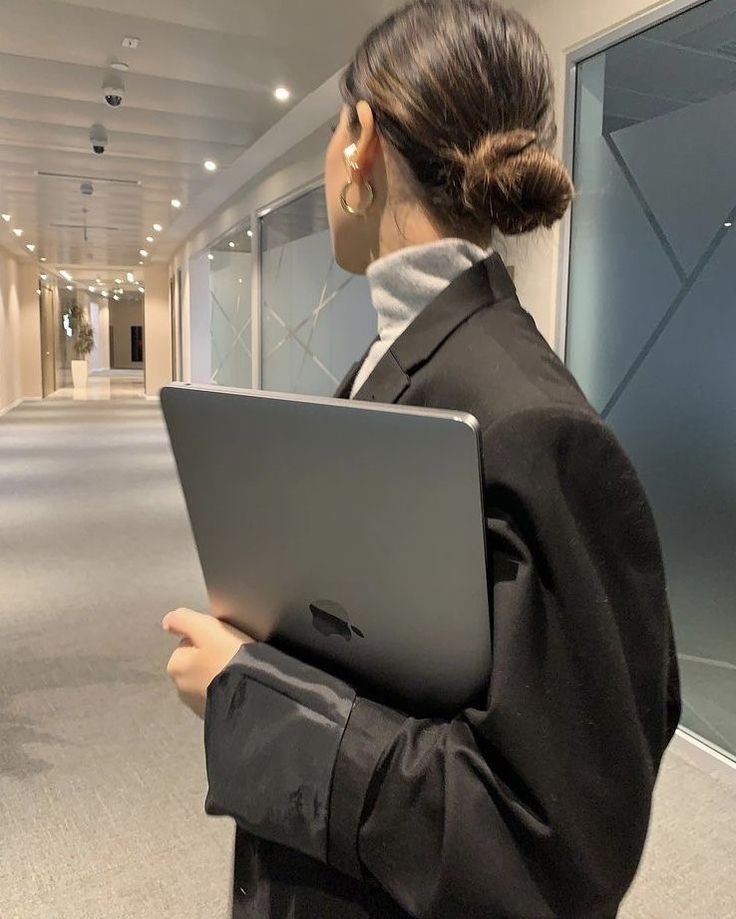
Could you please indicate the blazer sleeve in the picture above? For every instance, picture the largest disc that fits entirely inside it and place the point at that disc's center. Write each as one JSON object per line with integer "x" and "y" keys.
{"x": 535, "y": 801}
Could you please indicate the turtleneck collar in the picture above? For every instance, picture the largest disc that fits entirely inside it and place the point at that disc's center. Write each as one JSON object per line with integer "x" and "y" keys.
{"x": 403, "y": 283}
{"x": 406, "y": 281}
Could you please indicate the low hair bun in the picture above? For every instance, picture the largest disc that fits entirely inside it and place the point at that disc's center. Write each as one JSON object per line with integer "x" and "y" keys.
{"x": 514, "y": 182}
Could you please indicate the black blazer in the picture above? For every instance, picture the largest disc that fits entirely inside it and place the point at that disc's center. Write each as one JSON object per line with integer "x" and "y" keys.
{"x": 535, "y": 801}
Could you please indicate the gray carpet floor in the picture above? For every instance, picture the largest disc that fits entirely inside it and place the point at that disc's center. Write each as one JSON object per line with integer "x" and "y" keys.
{"x": 101, "y": 769}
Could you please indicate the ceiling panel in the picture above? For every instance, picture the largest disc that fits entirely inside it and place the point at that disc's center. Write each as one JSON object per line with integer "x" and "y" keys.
{"x": 199, "y": 86}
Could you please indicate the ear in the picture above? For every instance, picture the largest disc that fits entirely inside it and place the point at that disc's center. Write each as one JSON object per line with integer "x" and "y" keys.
{"x": 367, "y": 144}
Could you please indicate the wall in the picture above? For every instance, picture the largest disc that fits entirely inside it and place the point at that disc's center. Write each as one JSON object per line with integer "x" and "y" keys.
{"x": 563, "y": 26}
{"x": 156, "y": 328}
{"x": 99, "y": 359}
{"x": 20, "y": 331}
{"x": 123, "y": 315}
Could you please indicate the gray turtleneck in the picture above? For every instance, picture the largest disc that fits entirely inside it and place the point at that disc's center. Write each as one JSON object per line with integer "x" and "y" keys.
{"x": 403, "y": 283}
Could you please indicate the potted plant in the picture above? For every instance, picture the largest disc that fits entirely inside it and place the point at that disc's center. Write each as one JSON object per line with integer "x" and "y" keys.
{"x": 84, "y": 342}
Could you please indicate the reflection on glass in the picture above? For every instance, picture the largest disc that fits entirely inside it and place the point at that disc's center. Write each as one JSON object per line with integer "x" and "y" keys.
{"x": 652, "y": 324}
{"x": 316, "y": 319}
{"x": 230, "y": 263}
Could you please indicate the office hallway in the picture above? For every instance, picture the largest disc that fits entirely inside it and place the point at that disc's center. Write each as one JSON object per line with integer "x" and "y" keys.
{"x": 101, "y": 769}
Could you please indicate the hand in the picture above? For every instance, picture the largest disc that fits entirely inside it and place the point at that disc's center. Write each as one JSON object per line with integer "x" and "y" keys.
{"x": 206, "y": 647}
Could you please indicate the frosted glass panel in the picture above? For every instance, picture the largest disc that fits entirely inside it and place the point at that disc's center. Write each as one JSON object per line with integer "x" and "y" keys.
{"x": 316, "y": 319}
{"x": 652, "y": 315}
{"x": 230, "y": 261}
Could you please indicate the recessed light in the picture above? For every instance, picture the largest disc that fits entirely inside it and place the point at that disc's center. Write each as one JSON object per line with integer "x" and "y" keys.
{"x": 210, "y": 165}
{"x": 38, "y": 290}
{"x": 140, "y": 263}
{"x": 43, "y": 259}
{"x": 118, "y": 280}
{"x": 144, "y": 253}
{"x": 92, "y": 290}
{"x": 175, "y": 202}
{"x": 104, "y": 293}
{"x": 43, "y": 276}
{"x": 141, "y": 290}
{"x": 119, "y": 65}
{"x": 231, "y": 244}
{"x": 129, "y": 277}
{"x": 249, "y": 233}
{"x": 282, "y": 94}
{"x": 70, "y": 287}
{"x": 116, "y": 298}
{"x": 157, "y": 227}
{"x": 240, "y": 280}
{"x": 727, "y": 224}
{"x": 149, "y": 239}
{"x": 6, "y": 217}
{"x": 210, "y": 256}
{"x": 65, "y": 275}
{"x": 18, "y": 233}
{"x": 30, "y": 247}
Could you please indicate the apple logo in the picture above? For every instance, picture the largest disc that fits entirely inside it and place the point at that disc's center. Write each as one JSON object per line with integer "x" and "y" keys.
{"x": 330, "y": 618}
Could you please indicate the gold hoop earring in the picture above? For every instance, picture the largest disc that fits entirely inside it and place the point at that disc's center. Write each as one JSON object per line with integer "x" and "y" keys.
{"x": 354, "y": 210}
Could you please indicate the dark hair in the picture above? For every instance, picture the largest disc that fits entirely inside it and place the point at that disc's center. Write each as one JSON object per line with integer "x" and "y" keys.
{"x": 462, "y": 90}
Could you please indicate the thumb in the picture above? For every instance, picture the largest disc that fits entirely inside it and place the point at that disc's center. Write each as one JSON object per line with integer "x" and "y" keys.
{"x": 187, "y": 623}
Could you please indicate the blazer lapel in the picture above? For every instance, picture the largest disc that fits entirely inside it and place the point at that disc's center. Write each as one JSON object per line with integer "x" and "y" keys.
{"x": 484, "y": 284}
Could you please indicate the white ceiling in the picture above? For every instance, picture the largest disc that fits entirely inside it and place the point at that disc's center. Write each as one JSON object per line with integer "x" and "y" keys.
{"x": 200, "y": 86}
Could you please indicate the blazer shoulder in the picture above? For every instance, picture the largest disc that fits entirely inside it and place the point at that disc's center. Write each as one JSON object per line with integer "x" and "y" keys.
{"x": 497, "y": 364}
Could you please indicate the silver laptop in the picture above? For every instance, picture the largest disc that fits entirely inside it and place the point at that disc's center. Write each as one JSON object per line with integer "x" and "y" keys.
{"x": 349, "y": 534}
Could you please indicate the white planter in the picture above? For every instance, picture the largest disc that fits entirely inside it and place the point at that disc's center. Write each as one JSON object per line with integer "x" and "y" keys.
{"x": 79, "y": 374}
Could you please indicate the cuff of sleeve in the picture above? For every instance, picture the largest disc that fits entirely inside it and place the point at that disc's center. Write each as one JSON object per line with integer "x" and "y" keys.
{"x": 273, "y": 727}
{"x": 370, "y": 730}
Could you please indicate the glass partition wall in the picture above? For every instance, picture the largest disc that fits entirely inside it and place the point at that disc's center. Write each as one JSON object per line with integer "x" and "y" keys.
{"x": 651, "y": 324}
{"x": 231, "y": 323}
{"x": 316, "y": 319}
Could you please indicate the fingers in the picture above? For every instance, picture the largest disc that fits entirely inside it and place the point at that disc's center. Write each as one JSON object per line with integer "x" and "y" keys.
{"x": 187, "y": 623}
{"x": 180, "y": 662}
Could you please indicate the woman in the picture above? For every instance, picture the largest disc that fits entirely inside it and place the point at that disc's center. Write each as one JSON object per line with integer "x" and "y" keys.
{"x": 534, "y": 801}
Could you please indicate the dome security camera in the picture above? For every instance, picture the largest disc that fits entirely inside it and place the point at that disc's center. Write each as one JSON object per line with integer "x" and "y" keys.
{"x": 98, "y": 138}
{"x": 86, "y": 189}
{"x": 113, "y": 90}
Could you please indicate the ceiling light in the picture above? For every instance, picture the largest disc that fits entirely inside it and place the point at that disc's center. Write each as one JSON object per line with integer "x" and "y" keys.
{"x": 43, "y": 276}
{"x": 141, "y": 290}
{"x": 210, "y": 165}
{"x": 43, "y": 258}
{"x": 157, "y": 227}
{"x": 30, "y": 247}
{"x": 144, "y": 253}
{"x": 65, "y": 275}
{"x": 140, "y": 263}
{"x": 118, "y": 280}
{"x": 175, "y": 202}
{"x": 282, "y": 94}
{"x": 38, "y": 290}
{"x": 6, "y": 217}
{"x": 104, "y": 293}
{"x": 249, "y": 233}
{"x": 70, "y": 287}
{"x": 728, "y": 224}
{"x": 210, "y": 256}
{"x": 92, "y": 290}
{"x": 240, "y": 280}
{"x": 120, "y": 65}
{"x": 129, "y": 277}
{"x": 231, "y": 244}
{"x": 99, "y": 280}
{"x": 149, "y": 239}
{"x": 18, "y": 233}
{"x": 116, "y": 297}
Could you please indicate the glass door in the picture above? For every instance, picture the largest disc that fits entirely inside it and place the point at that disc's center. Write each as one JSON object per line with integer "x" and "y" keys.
{"x": 651, "y": 327}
